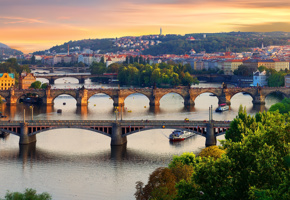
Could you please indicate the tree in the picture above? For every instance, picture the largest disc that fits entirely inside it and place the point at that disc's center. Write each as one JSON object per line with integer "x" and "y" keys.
{"x": 276, "y": 79}
{"x": 44, "y": 85}
{"x": 262, "y": 68}
{"x": 253, "y": 166}
{"x": 29, "y": 194}
{"x": 212, "y": 151}
{"x": 244, "y": 70}
{"x": 35, "y": 85}
{"x": 161, "y": 185}
{"x": 282, "y": 107}
{"x": 98, "y": 68}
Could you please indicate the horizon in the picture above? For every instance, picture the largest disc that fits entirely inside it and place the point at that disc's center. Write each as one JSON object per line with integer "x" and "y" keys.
{"x": 35, "y": 26}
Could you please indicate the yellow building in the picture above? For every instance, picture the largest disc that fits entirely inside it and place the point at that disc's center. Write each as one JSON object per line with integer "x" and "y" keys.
{"x": 6, "y": 81}
{"x": 25, "y": 80}
{"x": 231, "y": 65}
{"x": 281, "y": 65}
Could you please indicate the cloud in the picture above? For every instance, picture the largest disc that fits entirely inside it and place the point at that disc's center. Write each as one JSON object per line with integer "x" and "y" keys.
{"x": 18, "y": 20}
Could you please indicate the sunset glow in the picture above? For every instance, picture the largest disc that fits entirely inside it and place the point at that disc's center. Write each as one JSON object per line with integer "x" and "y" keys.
{"x": 37, "y": 25}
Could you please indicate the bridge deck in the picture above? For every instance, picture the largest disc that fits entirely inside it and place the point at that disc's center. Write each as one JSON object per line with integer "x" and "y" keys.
{"x": 110, "y": 122}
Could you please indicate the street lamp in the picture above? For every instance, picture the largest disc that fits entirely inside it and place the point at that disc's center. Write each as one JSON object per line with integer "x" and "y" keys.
{"x": 31, "y": 107}
{"x": 116, "y": 111}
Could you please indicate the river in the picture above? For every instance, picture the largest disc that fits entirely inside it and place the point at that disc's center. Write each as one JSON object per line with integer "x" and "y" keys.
{"x": 73, "y": 164}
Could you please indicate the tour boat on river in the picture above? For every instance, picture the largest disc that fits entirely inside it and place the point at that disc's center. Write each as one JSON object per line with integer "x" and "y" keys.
{"x": 179, "y": 135}
{"x": 222, "y": 107}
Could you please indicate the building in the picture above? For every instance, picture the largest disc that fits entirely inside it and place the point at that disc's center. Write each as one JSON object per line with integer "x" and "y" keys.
{"x": 254, "y": 63}
{"x": 287, "y": 80}
{"x": 26, "y": 79}
{"x": 281, "y": 65}
{"x": 6, "y": 81}
{"x": 260, "y": 78}
{"x": 230, "y": 66}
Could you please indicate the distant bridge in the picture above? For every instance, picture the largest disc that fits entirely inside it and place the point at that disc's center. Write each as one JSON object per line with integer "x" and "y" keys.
{"x": 81, "y": 77}
{"x": 52, "y": 69}
{"x": 116, "y": 130}
{"x": 154, "y": 95}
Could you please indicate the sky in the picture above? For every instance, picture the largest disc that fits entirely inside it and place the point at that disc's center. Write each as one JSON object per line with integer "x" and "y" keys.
{"x": 32, "y": 25}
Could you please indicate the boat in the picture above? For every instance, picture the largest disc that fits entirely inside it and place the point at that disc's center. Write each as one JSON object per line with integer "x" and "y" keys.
{"x": 179, "y": 135}
{"x": 222, "y": 107}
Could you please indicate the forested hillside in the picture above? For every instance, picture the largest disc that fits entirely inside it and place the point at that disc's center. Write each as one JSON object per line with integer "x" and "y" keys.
{"x": 179, "y": 44}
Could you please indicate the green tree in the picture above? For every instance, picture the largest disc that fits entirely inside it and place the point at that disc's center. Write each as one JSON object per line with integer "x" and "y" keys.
{"x": 276, "y": 79}
{"x": 44, "y": 85}
{"x": 29, "y": 194}
{"x": 35, "y": 85}
{"x": 98, "y": 68}
{"x": 282, "y": 107}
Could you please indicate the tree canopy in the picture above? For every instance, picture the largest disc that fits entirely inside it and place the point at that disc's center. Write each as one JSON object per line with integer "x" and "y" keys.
{"x": 252, "y": 163}
{"x": 29, "y": 194}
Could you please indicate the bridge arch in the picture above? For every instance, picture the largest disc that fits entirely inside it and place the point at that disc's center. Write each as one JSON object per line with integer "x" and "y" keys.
{"x": 167, "y": 127}
{"x": 98, "y": 98}
{"x": 242, "y": 92}
{"x": 276, "y": 92}
{"x": 11, "y": 132}
{"x": 136, "y": 95}
{"x": 82, "y": 128}
{"x": 75, "y": 78}
{"x": 91, "y": 94}
{"x": 64, "y": 93}
{"x": 177, "y": 99}
{"x": 42, "y": 79}
{"x": 211, "y": 97}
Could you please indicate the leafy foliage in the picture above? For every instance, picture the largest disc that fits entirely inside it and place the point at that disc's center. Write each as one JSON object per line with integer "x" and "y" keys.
{"x": 282, "y": 107}
{"x": 29, "y": 194}
{"x": 255, "y": 165}
{"x": 11, "y": 66}
{"x": 212, "y": 151}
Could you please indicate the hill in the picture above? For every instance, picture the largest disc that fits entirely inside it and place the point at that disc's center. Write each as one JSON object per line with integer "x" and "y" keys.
{"x": 3, "y": 45}
{"x": 182, "y": 44}
{"x": 4, "y": 49}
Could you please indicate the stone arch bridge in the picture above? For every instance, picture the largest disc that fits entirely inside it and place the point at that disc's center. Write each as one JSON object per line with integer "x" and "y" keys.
{"x": 154, "y": 95}
{"x": 116, "y": 130}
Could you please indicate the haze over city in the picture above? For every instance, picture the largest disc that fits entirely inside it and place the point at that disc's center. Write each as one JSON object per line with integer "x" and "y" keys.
{"x": 37, "y": 25}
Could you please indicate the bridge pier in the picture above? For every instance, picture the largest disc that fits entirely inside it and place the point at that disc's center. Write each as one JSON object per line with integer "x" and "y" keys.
{"x": 210, "y": 137}
{"x": 116, "y": 138}
{"x": 27, "y": 151}
{"x": 259, "y": 100}
{"x": 188, "y": 102}
{"x": 12, "y": 99}
{"x": 51, "y": 81}
{"x": 24, "y": 137}
{"x": 82, "y": 81}
{"x": 118, "y": 152}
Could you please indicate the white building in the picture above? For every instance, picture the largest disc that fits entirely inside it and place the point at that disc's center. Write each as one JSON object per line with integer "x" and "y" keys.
{"x": 260, "y": 78}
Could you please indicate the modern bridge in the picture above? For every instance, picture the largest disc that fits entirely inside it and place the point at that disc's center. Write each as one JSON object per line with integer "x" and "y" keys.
{"x": 117, "y": 130}
{"x": 82, "y": 95}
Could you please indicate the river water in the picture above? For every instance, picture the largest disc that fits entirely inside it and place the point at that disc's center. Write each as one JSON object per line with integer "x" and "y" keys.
{"x": 73, "y": 164}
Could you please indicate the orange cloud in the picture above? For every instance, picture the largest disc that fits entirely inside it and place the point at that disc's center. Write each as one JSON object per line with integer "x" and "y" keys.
{"x": 61, "y": 21}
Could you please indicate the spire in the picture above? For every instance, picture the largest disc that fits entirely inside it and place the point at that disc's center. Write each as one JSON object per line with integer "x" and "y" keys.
{"x": 160, "y": 30}
{"x": 67, "y": 49}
